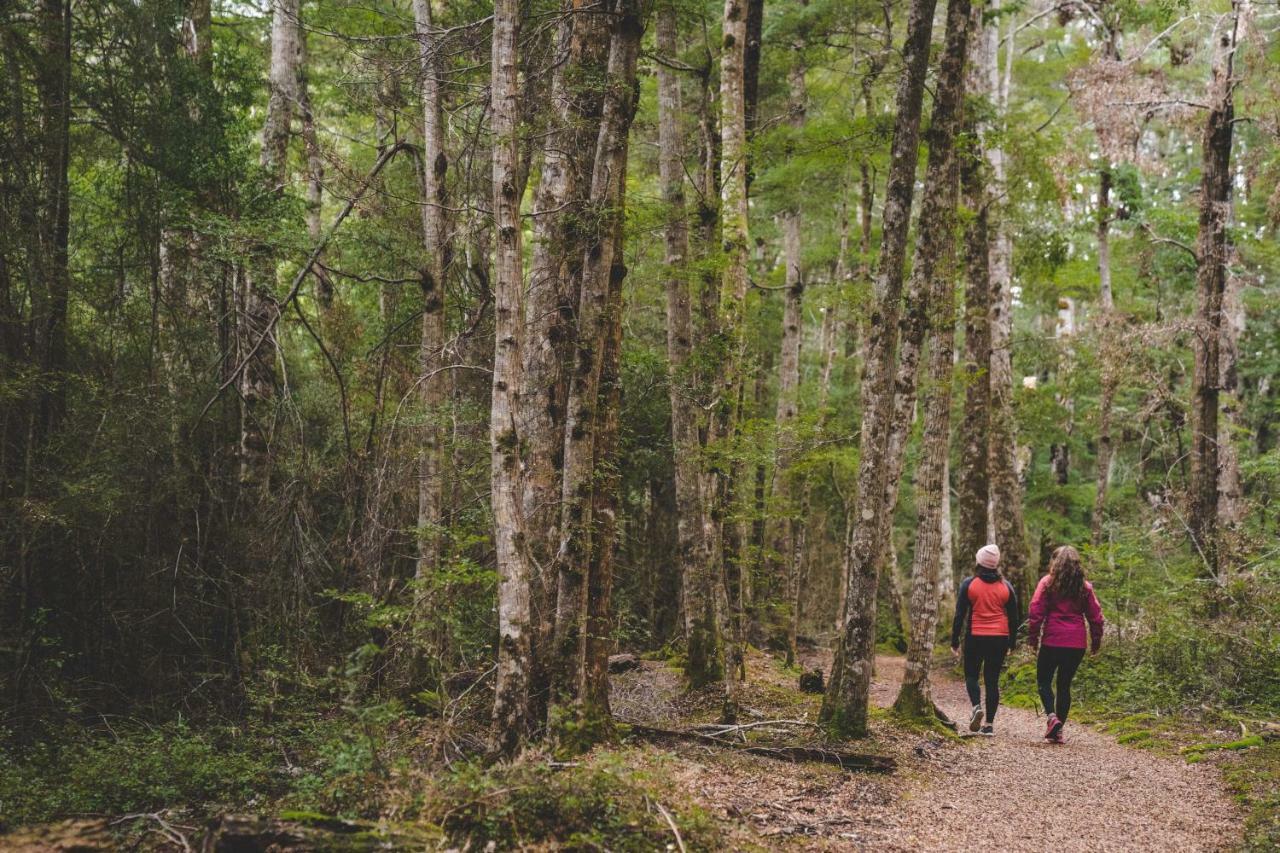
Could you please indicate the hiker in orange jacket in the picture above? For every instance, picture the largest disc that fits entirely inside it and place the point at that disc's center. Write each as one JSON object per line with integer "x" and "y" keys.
{"x": 987, "y": 616}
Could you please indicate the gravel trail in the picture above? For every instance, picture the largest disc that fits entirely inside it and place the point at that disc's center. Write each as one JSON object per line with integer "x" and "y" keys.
{"x": 1014, "y": 792}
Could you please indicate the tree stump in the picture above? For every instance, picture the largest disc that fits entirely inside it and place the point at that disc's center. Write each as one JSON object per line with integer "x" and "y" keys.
{"x": 811, "y": 681}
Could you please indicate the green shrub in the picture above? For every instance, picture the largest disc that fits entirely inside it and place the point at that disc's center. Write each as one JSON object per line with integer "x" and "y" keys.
{"x": 595, "y": 805}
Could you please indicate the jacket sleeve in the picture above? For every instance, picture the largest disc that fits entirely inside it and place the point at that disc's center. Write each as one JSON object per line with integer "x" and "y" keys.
{"x": 1035, "y": 617}
{"x": 1093, "y": 611}
{"x": 1012, "y": 613}
{"x": 962, "y": 612}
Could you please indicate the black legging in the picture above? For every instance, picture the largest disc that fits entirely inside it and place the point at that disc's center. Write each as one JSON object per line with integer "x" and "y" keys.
{"x": 985, "y": 654}
{"x": 1065, "y": 662}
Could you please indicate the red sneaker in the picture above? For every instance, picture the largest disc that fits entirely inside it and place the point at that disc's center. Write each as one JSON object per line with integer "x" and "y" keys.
{"x": 1055, "y": 732}
{"x": 1052, "y": 726}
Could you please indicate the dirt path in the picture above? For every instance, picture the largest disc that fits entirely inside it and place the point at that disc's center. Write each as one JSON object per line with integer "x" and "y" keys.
{"x": 1015, "y": 792}
{"x": 1012, "y": 792}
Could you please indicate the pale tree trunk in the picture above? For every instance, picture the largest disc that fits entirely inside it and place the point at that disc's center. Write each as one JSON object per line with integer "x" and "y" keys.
{"x": 701, "y": 639}
{"x": 511, "y": 722}
{"x": 1212, "y": 255}
{"x": 432, "y": 389}
{"x": 1107, "y": 354}
{"x": 602, "y": 272}
{"x": 255, "y": 339}
{"x": 180, "y": 251}
{"x": 733, "y": 293}
{"x": 789, "y": 376}
{"x": 315, "y": 182}
{"x": 1231, "y": 502}
{"x": 560, "y": 199}
{"x": 845, "y": 704}
{"x": 1005, "y": 485}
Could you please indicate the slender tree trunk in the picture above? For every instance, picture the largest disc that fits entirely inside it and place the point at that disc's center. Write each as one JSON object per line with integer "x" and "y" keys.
{"x": 1005, "y": 483}
{"x": 1102, "y": 476}
{"x": 701, "y": 639}
{"x": 511, "y": 722}
{"x": 844, "y": 706}
{"x": 789, "y": 374}
{"x": 973, "y": 482}
{"x": 587, "y": 411}
{"x": 733, "y": 293}
{"x": 432, "y": 389}
{"x": 255, "y": 338}
{"x": 1211, "y": 280}
{"x": 1231, "y": 501}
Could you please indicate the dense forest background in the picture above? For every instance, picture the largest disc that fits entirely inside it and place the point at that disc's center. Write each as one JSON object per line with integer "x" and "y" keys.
{"x": 365, "y": 362}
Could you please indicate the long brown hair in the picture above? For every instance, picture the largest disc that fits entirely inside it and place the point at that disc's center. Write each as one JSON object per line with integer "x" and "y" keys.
{"x": 1066, "y": 574}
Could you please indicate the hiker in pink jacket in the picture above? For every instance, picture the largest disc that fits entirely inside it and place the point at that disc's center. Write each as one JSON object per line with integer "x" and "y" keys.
{"x": 1062, "y": 604}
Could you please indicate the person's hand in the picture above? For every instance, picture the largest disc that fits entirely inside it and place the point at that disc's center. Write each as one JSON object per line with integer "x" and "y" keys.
{"x": 1093, "y": 653}
{"x": 955, "y": 652}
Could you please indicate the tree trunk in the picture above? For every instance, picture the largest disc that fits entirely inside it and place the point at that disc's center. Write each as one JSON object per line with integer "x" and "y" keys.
{"x": 559, "y": 241}
{"x": 935, "y": 259}
{"x": 1231, "y": 502}
{"x": 587, "y": 410}
{"x": 511, "y": 721}
{"x": 789, "y": 376}
{"x": 435, "y": 243}
{"x": 701, "y": 639}
{"x": 973, "y": 482}
{"x": 733, "y": 293}
{"x": 1005, "y": 484}
{"x": 844, "y": 707}
{"x": 255, "y": 336}
{"x": 1211, "y": 279}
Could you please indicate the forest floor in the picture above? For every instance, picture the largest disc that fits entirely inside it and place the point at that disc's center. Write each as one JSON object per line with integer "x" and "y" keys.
{"x": 1012, "y": 792}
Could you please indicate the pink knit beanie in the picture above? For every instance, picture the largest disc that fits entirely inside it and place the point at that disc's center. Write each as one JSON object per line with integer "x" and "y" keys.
{"x": 988, "y": 556}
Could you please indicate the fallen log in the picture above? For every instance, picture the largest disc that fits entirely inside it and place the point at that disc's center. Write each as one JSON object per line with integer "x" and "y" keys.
{"x": 623, "y": 662}
{"x": 821, "y": 755}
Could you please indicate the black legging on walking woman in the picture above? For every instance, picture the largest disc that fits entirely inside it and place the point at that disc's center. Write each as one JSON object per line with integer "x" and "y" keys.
{"x": 986, "y": 654}
{"x": 1064, "y": 663}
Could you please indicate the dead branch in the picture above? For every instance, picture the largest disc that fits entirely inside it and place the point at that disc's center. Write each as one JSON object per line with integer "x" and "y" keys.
{"x": 820, "y": 755}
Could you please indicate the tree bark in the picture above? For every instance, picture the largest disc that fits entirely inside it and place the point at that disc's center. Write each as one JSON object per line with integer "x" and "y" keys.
{"x": 432, "y": 389}
{"x": 844, "y": 707}
{"x": 1006, "y": 487}
{"x": 1211, "y": 278}
{"x": 511, "y": 721}
{"x": 935, "y": 260}
{"x": 255, "y": 329}
{"x": 587, "y": 410}
{"x": 789, "y": 374}
{"x": 973, "y": 482}
{"x": 702, "y": 643}
{"x": 560, "y": 237}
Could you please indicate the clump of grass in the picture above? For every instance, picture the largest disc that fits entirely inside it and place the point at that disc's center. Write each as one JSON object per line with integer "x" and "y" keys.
{"x": 600, "y": 803}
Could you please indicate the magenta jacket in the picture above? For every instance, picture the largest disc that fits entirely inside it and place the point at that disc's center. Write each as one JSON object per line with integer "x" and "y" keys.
{"x": 1062, "y": 621}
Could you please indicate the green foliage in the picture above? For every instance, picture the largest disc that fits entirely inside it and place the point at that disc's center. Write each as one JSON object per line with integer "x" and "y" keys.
{"x": 1255, "y": 779}
{"x": 133, "y": 769}
{"x": 598, "y": 804}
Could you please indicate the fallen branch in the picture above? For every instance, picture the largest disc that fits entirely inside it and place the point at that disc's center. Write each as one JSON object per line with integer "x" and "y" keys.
{"x": 666, "y": 815}
{"x": 816, "y": 754}
{"x": 719, "y": 729}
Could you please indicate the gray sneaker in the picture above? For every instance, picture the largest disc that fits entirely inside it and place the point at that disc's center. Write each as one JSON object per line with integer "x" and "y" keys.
{"x": 975, "y": 719}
